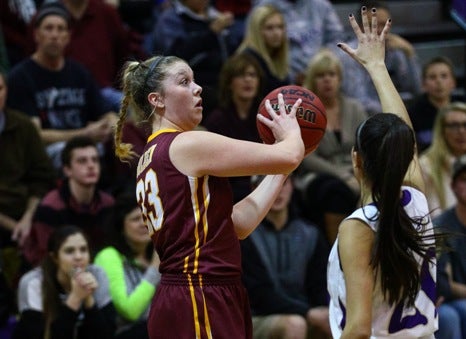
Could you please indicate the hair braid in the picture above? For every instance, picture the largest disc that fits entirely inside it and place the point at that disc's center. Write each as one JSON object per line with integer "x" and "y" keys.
{"x": 139, "y": 80}
{"x": 124, "y": 151}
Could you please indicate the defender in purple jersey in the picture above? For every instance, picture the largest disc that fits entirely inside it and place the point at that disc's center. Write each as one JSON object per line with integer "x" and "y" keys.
{"x": 186, "y": 199}
{"x": 382, "y": 270}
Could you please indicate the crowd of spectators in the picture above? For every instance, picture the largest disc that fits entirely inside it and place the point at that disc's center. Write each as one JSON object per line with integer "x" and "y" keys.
{"x": 62, "y": 190}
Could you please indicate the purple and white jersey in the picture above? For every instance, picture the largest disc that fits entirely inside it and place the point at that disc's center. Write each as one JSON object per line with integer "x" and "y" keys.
{"x": 396, "y": 321}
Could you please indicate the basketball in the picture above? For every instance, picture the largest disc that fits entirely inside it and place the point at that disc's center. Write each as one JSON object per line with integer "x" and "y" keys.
{"x": 311, "y": 115}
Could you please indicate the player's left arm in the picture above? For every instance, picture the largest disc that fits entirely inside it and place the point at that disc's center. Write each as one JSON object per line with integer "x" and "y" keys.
{"x": 355, "y": 241}
{"x": 250, "y": 211}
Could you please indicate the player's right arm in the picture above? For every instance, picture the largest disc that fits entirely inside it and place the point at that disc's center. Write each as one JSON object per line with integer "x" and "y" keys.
{"x": 199, "y": 153}
{"x": 250, "y": 211}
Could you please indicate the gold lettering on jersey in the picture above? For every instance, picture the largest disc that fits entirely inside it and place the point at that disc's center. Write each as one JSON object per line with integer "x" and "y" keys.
{"x": 145, "y": 159}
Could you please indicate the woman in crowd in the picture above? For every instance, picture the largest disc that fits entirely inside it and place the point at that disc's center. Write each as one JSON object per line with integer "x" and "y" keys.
{"x": 326, "y": 175}
{"x": 240, "y": 86}
{"x": 66, "y": 297}
{"x": 131, "y": 266}
{"x": 448, "y": 143}
{"x": 266, "y": 40}
{"x": 333, "y": 156}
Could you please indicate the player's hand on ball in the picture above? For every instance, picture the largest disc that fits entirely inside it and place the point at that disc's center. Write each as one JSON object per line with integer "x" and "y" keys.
{"x": 292, "y": 102}
{"x": 284, "y": 123}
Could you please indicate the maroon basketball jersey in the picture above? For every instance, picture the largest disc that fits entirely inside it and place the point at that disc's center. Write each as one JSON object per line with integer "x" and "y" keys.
{"x": 188, "y": 218}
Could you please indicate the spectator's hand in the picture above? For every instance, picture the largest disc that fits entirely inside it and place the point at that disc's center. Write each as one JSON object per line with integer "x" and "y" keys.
{"x": 99, "y": 131}
{"x": 223, "y": 21}
{"x": 394, "y": 41}
{"x": 370, "y": 51}
{"x": 7, "y": 223}
{"x": 112, "y": 118}
{"x": 86, "y": 281}
{"x": 114, "y": 3}
{"x": 83, "y": 285}
{"x": 318, "y": 317}
{"x": 439, "y": 301}
{"x": 21, "y": 231}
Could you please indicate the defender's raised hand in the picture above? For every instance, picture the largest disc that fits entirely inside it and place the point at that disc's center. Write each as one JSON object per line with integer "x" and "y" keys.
{"x": 371, "y": 45}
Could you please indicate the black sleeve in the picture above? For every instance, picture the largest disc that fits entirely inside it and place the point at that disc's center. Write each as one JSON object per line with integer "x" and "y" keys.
{"x": 20, "y": 86}
{"x": 264, "y": 296}
{"x": 99, "y": 323}
{"x": 7, "y": 301}
{"x": 64, "y": 324}
{"x": 29, "y": 326}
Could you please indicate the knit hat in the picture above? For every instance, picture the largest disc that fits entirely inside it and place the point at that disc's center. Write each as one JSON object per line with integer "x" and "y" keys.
{"x": 51, "y": 8}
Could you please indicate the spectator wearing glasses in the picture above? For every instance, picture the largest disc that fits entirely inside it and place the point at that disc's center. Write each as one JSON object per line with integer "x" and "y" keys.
{"x": 453, "y": 263}
{"x": 448, "y": 143}
{"x": 240, "y": 83}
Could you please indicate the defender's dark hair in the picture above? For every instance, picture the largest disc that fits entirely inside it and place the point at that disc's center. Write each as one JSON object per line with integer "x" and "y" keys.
{"x": 50, "y": 290}
{"x": 72, "y": 144}
{"x": 138, "y": 80}
{"x": 386, "y": 145}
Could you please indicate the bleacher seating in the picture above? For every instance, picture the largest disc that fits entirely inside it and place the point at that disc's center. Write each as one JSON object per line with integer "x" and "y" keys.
{"x": 427, "y": 25}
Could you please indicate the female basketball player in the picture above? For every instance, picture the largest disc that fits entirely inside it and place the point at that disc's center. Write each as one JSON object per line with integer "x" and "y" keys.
{"x": 381, "y": 273}
{"x": 183, "y": 190}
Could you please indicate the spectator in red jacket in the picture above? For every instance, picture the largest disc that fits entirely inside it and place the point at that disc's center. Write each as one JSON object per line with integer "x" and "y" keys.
{"x": 78, "y": 201}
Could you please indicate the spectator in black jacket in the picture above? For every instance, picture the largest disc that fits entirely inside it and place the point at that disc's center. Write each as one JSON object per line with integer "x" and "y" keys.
{"x": 284, "y": 270}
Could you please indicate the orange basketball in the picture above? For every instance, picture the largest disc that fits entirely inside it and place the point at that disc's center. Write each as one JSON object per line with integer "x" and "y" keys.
{"x": 311, "y": 115}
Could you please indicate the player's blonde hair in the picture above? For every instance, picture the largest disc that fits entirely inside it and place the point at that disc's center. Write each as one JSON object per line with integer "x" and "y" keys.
{"x": 139, "y": 79}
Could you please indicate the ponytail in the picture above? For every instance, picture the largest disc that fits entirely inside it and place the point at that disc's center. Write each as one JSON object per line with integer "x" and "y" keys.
{"x": 387, "y": 145}
{"x": 139, "y": 79}
{"x": 124, "y": 151}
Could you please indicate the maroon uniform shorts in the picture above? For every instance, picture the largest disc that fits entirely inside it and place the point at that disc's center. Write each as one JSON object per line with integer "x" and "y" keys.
{"x": 196, "y": 306}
